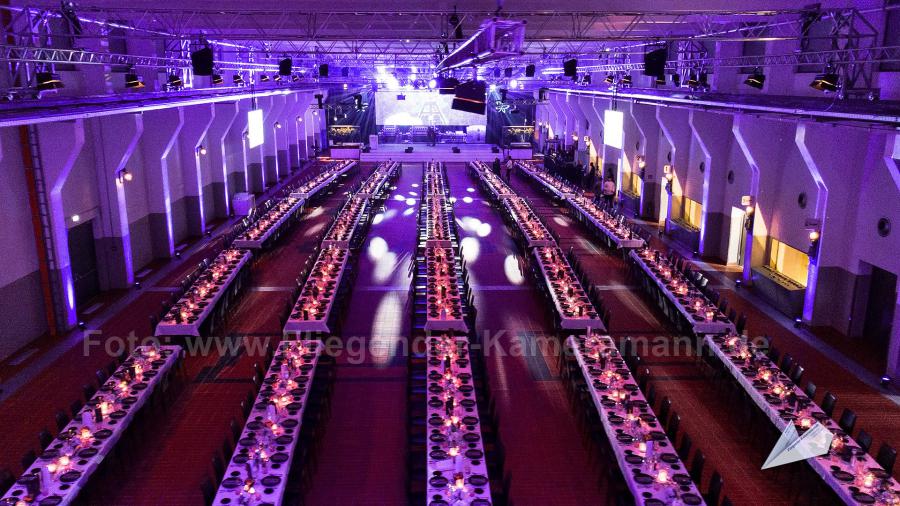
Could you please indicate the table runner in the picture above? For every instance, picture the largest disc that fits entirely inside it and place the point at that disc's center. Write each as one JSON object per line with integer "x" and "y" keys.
{"x": 65, "y": 467}
{"x": 258, "y": 471}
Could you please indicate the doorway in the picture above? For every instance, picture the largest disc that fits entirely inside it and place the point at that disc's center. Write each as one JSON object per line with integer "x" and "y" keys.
{"x": 736, "y": 237}
{"x": 83, "y": 259}
{"x": 880, "y": 307}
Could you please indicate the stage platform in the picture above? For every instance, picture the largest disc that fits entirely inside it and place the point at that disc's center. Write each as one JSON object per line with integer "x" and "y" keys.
{"x": 440, "y": 152}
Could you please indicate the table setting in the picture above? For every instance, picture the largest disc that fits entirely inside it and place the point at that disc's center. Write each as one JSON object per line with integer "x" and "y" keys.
{"x": 346, "y": 223}
{"x": 64, "y": 468}
{"x": 313, "y": 307}
{"x": 456, "y": 469}
{"x": 437, "y": 230}
{"x": 613, "y": 227}
{"x": 572, "y": 304}
{"x": 556, "y": 185}
{"x": 528, "y": 223}
{"x": 494, "y": 184}
{"x": 848, "y": 470}
{"x": 433, "y": 181}
{"x": 703, "y": 316}
{"x": 186, "y": 316}
{"x": 324, "y": 178}
{"x": 443, "y": 290}
{"x": 376, "y": 180}
{"x": 256, "y": 234}
{"x": 257, "y": 473}
{"x": 654, "y": 472}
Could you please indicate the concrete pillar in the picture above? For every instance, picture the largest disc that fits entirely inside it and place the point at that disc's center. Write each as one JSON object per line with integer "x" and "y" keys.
{"x": 274, "y": 139}
{"x": 116, "y": 137}
{"x": 674, "y": 125}
{"x": 256, "y": 174}
{"x": 60, "y": 145}
{"x": 157, "y": 147}
{"x": 226, "y": 114}
{"x": 713, "y": 135}
{"x": 644, "y": 117}
{"x": 197, "y": 120}
{"x": 559, "y": 119}
{"x": 893, "y": 362}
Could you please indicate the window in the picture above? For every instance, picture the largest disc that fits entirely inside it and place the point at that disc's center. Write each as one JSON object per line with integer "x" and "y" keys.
{"x": 631, "y": 183}
{"x": 693, "y": 211}
{"x": 788, "y": 261}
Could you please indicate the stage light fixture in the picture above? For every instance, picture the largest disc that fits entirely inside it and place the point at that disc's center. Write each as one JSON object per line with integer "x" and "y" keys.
{"x": 174, "y": 82}
{"x": 48, "y": 81}
{"x": 124, "y": 175}
{"x": 132, "y": 81}
{"x": 626, "y": 80}
{"x": 263, "y": 78}
{"x": 217, "y": 79}
{"x": 513, "y": 83}
{"x": 278, "y": 125}
{"x": 237, "y": 79}
{"x": 756, "y": 80}
{"x": 676, "y": 80}
{"x": 692, "y": 81}
{"x": 76, "y": 218}
{"x": 295, "y": 78}
{"x": 609, "y": 79}
{"x": 827, "y": 81}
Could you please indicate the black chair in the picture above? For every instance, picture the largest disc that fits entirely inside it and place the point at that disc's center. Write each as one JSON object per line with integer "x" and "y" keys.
{"x": 810, "y": 390}
{"x": 208, "y": 490}
{"x": 847, "y": 420}
{"x": 101, "y": 376}
{"x": 62, "y": 419}
{"x": 828, "y": 403}
{"x": 664, "y": 408}
{"x": 864, "y": 439}
{"x": 726, "y": 501}
{"x": 7, "y": 480}
{"x": 45, "y": 438}
{"x": 797, "y": 373}
{"x": 741, "y": 323}
{"x": 697, "y": 466}
{"x": 715, "y": 489}
{"x": 28, "y": 459}
{"x": 75, "y": 408}
{"x": 787, "y": 361}
{"x": 88, "y": 391}
{"x": 218, "y": 467}
{"x": 886, "y": 457}
{"x": 684, "y": 451}
{"x": 672, "y": 428}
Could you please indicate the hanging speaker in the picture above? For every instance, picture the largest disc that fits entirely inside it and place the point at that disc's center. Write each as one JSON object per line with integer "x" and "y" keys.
{"x": 470, "y": 97}
{"x": 570, "y": 68}
{"x": 655, "y": 63}
{"x": 319, "y": 98}
{"x": 508, "y": 71}
{"x": 202, "y": 62}
{"x": 529, "y": 71}
{"x": 323, "y": 70}
{"x": 285, "y": 66}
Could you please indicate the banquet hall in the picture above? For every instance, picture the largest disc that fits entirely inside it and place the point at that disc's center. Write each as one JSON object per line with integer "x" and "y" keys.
{"x": 466, "y": 252}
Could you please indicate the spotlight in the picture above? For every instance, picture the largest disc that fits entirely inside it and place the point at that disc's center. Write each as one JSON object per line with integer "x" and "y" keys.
{"x": 133, "y": 81}
{"x": 137, "y": 285}
{"x": 738, "y": 283}
{"x": 345, "y": 86}
{"x": 609, "y": 79}
{"x": 82, "y": 325}
{"x": 515, "y": 84}
{"x": 814, "y": 235}
{"x": 756, "y": 80}
{"x": 626, "y": 81}
{"x": 48, "y": 81}
{"x": 692, "y": 81}
{"x": 174, "y": 82}
{"x": 238, "y": 79}
{"x": 885, "y": 380}
{"x": 177, "y": 254}
{"x": 217, "y": 79}
{"x": 660, "y": 80}
{"x": 432, "y": 84}
{"x": 825, "y": 82}
{"x": 201, "y": 150}
{"x": 123, "y": 176}
{"x": 277, "y": 78}
{"x": 263, "y": 78}
{"x": 493, "y": 87}
{"x": 277, "y": 124}
{"x": 295, "y": 78}
{"x": 76, "y": 218}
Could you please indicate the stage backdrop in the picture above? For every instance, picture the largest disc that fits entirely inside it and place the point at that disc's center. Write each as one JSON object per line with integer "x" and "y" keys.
{"x": 420, "y": 107}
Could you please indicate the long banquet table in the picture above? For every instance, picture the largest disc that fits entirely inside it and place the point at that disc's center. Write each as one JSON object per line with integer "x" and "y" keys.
{"x": 456, "y": 464}
{"x": 652, "y": 469}
{"x": 533, "y": 230}
{"x": 258, "y": 471}
{"x": 444, "y": 308}
{"x": 195, "y": 306}
{"x": 65, "y": 467}
{"x": 619, "y": 236}
{"x": 346, "y": 223}
{"x": 323, "y": 179}
{"x": 259, "y": 231}
{"x": 570, "y": 301}
{"x": 494, "y": 184}
{"x": 438, "y": 212}
{"x": 552, "y": 183}
{"x": 702, "y": 315}
{"x": 376, "y": 180}
{"x": 851, "y": 473}
{"x": 312, "y": 309}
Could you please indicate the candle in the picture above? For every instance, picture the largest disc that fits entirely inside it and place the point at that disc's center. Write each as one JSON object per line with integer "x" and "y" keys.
{"x": 868, "y": 480}
{"x": 663, "y": 476}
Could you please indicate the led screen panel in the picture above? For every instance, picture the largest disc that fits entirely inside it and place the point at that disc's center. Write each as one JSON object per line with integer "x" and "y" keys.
{"x": 255, "y": 134}
{"x": 613, "y": 128}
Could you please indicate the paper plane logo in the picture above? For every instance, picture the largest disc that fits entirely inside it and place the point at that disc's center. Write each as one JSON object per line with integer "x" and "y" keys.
{"x": 791, "y": 447}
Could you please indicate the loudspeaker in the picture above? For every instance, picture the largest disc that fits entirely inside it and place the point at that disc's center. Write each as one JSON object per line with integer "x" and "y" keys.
{"x": 570, "y": 68}
{"x": 496, "y": 71}
{"x": 323, "y": 70}
{"x": 285, "y": 66}
{"x": 529, "y": 70}
{"x": 655, "y": 63}
{"x": 470, "y": 97}
{"x": 202, "y": 62}
{"x": 447, "y": 85}
{"x": 409, "y": 150}
{"x": 508, "y": 71}
{"x": 319, "y": 98}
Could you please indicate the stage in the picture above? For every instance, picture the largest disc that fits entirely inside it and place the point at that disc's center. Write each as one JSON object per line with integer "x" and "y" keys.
{"x": 440, "y": 152}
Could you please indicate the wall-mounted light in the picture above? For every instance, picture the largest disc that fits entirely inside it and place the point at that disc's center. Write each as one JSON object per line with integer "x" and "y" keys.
{"x": 76, "y": 218}
{"x": 299, "y": 119}
{"x": 813, "y": 251}
{"x": 277, "y": 124}
{"x": 201, "y": 150}
{"x": 641, "y": 162}
{"x": 124, "y": 176}
{"x": 749, "y": 209}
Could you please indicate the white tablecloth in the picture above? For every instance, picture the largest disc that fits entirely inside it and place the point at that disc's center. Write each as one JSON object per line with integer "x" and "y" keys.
{"x": 552, "y": 183}
{"x": 169, "y": 327}
{"x": 587, "y": 321}
{"x": 114, "y": 424}
{"x": 528, "y": 223}
{"x": 324, "y": 179}
{"x": 625, "y": 435}
{"x": 469, "y": 464}
{"x": 700, "y": 327}
{"x": 372, "y": 185}
{"x": 823, "y": 465}
{"x": 244, "y": 241}
{"x": 497, "y": 186}
{"x": 319, "y": 323}
{"x": 447, "y": 321}
{"x": 346, "y": 223}
{"x": 266, "y": 453}
{"x": 583, "y": 206}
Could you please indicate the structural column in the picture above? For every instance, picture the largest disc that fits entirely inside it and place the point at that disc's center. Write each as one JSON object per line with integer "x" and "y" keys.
{"x": 197, "y": 120}
{"x": 225, "y": 115}
{"x": 157, "y": 149}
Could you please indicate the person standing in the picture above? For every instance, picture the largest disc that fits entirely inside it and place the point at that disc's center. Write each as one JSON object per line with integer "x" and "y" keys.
{"x": 509, "y": 167}
{"x": 496, "y": 166}
{"x": 609, "y": 192}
